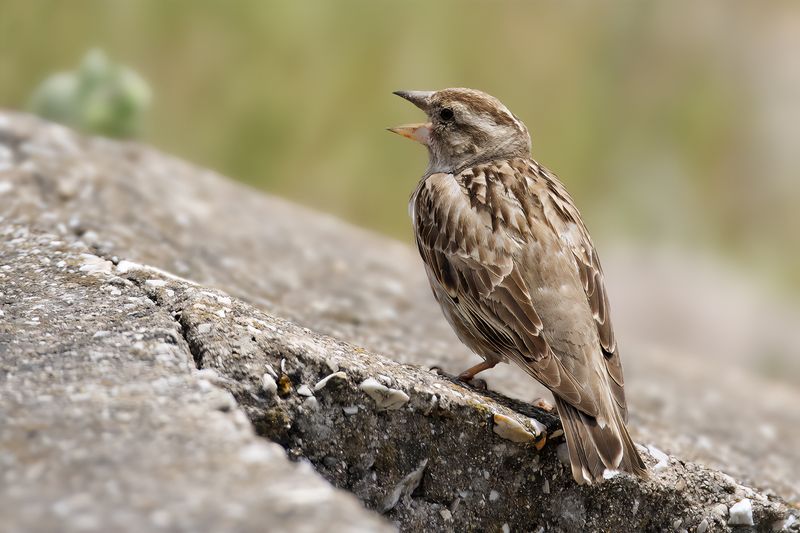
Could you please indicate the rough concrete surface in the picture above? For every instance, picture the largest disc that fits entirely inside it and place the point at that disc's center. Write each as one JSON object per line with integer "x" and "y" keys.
{"x": 105, "y": 422}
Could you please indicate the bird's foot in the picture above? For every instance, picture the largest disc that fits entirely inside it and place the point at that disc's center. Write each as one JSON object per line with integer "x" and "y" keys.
{"x": 475, "y": 383}
{"x": 465, "y": 377}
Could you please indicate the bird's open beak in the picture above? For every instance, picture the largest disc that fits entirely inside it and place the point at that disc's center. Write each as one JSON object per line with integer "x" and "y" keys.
{"x": 416, "y": 132}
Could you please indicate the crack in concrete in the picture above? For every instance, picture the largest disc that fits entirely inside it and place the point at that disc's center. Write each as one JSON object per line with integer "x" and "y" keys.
{"x": 195, "y": 347}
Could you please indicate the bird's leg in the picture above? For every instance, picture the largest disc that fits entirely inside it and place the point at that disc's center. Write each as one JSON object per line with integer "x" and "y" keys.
{"x": 470, "y": 373}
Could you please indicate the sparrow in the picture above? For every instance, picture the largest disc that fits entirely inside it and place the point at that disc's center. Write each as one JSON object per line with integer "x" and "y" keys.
{"x": 514, "y": 270}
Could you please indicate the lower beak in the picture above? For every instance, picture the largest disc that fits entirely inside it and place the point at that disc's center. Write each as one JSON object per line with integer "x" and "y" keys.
{"x": 416, "y": 132}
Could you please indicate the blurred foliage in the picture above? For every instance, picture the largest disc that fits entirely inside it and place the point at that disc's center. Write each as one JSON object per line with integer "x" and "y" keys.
{"x": 672, "y": 122}
{"x": 99, "y": 97}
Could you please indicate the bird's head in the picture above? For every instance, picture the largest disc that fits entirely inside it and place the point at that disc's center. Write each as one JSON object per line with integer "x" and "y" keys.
{"x": 464, "y": 127}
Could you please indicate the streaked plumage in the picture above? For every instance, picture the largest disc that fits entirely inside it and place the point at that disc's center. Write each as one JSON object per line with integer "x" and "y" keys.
{"x": 514, "y": 269}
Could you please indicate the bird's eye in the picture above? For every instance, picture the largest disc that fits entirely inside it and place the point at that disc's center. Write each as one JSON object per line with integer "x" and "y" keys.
{"x": 446, "y": 114}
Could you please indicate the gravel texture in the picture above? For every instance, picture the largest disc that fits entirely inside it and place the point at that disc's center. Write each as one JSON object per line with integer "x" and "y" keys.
{"x": 129, "y": 397}
{"x": 107, "y": 425}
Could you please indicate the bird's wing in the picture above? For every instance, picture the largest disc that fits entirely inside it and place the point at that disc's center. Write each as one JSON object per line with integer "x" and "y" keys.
{"x": 470, "y": 230}
{"x": 564, "y": 218}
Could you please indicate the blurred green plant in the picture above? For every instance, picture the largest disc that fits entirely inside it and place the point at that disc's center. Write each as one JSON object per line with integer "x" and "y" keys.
{"x": 99, "y": 97}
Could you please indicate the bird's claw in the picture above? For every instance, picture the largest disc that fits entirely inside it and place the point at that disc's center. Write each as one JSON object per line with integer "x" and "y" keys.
{"x": 466, "y": 379}
{"x": 475, "y": 383}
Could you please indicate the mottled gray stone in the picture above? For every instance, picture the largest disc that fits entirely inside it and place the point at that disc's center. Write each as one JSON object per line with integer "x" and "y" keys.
{"x": 180, "y": 444}
{"x": 128, "y": 201}
{"x": 435, "y": 462}
{"x": 106, "y": 424}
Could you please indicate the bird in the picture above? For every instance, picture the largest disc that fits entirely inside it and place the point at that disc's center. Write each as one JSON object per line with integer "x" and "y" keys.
{"x": 514, "y": 270}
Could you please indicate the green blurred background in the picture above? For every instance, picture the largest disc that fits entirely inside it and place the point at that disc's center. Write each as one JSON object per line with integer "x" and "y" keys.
{"x": 674, "y": 123}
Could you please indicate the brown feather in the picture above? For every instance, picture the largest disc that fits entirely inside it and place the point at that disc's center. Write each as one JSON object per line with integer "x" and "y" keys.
{"x": 507, "y": 256}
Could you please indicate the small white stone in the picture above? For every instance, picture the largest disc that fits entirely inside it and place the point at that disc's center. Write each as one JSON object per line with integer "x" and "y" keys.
{"x": 494, "y": 496}
{"x": 546, "y": 487}
{"x": 126, "y": 266}
{"x": 384, "y": 397}
{"x": 324, "y": 381}
{"x": 332, "y": 364}
{"x": 311, "y": 403}
{"x": 268, "y": 368}
{"x": 447, "y": 516}
{"x": 741, "y": 513}
{"x": 304, "y": 390}
{"x": 702, "y": 527}
{"x": 506, "y": 528}
{"x": 268, "y": 384}
{"x": 155, "y": 282}
{"x": 93, "y": 264}
{"x": 204, "y": 327}
{"x": 510, "y": 429}
{"x": 350, "y": 410}
{"x": 538, "y": 427}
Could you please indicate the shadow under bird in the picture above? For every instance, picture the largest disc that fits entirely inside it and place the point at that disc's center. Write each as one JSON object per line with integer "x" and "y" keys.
{"x": 514, "y": 270}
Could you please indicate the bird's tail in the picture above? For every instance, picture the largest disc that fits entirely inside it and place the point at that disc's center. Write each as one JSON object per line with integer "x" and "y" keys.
{"x": 595, "y": 447}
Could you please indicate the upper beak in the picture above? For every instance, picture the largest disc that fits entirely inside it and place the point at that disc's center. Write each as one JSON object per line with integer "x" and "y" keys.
{"x": 421, "y": 99}
{"x": 416, "y": 132}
